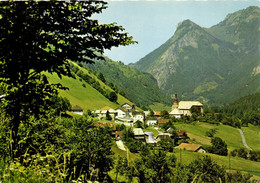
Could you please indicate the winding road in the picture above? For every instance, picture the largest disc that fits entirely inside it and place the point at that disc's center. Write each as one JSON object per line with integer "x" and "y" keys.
{"x": 244, "y": 140}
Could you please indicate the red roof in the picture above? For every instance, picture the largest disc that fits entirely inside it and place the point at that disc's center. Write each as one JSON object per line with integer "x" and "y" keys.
{"x": 181, "y": 132}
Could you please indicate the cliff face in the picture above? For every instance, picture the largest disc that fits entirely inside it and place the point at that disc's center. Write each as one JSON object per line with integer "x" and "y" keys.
{"x": 215, "y": 65}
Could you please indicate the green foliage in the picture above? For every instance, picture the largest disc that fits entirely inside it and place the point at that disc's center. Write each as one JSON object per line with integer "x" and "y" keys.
{"x": 206, "y": 170}
{"x": 218, "y": 146}
{"x": 140, "y": 87}
{"x": 43, "y": 36}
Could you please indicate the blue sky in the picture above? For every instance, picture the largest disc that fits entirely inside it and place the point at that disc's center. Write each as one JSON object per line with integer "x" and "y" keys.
{"x": 153, "y": 22}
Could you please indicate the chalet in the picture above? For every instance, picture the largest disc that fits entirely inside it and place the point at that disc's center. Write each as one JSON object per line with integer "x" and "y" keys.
{"x": 182, "y": 134}
{"x": 129, "y": 106}
{"x": 77, "y": 110}
{"x": 158, "y": 114}
{"x": 118, "y": 135}
{"x": 192, "y": 147}
{"x": 163, "y": 136}
{"x": 101, "y": 113}
{"x": 138, "y": 133}
{"x": 152, "y": 121}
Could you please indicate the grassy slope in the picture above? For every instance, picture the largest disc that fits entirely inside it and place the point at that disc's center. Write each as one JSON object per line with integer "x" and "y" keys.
{"x": 197, "y": 131}
{"x": 85, "y": 97}
{"x": 252, "y": 135}
{"x": 236, "y": 163}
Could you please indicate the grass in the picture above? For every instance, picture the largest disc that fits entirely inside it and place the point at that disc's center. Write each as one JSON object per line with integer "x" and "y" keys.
{"x": 236, "y": 163}
{"x": 160, "y": 107}
{"x": 197, "y": 132}
{"x": 86, "y": 97}
{"x": 252, "y": 135}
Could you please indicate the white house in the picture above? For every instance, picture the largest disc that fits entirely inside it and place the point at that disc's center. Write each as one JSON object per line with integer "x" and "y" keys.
{"x": 101, "y": 113}
{"x": 129, "y": 106}
{"x": 151, "y": 121}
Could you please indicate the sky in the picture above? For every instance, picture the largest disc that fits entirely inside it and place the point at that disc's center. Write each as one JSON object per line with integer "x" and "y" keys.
{"x": 153, "y": 22}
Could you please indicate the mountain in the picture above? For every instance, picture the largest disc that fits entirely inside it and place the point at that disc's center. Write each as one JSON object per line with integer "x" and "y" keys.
{"x": 139, "y": 87}
{"x": 214, "y": 65}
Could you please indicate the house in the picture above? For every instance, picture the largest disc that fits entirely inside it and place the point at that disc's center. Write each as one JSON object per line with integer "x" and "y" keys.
{"x": 138, "y": 116}
{"x": 129, "y": 106}
{"x": 149, "y": 138}
{"x": 192, "y": 147}
{"x": 138, "y": 133}
{"x": 118, "y": 135}
{"x": 101, "y": 113}
{"x": 77, "y": 110}
{"x": 152, "y": 121}
{"x": 163, "y": 136}
{"x": 158, "y": 114}
{"x": 124, "y": 114}
{"x": 182, "y": 134}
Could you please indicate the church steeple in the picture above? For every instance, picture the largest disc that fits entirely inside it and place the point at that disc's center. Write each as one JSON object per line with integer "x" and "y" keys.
{"x": 175, "y": 102}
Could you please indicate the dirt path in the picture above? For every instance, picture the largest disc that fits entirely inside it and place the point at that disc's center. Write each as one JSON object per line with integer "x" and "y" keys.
{"x": 244, "y": 140}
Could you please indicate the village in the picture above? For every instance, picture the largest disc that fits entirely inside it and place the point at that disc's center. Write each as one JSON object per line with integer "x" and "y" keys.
{"x": 128, "y": 115}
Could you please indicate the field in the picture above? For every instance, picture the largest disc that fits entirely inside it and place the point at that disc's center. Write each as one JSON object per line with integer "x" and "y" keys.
{"x": 196, "y": 131}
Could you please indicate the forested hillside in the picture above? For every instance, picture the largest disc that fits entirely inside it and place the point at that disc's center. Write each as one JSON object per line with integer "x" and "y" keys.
{"x": 139, "y": 87}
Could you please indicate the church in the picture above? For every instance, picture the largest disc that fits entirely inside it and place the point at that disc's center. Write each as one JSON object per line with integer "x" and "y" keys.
{"x": 184, "y": 107}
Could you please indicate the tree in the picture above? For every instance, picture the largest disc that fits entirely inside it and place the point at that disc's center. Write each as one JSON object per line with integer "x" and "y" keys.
{"x": 219, "y": 146}
{"x": 108, "y": 117}
{"x": 112, "y": 96}
{"x": 206, "y": 170}
{"x": 101, "y": 77}
{"x": 39, "y": 36}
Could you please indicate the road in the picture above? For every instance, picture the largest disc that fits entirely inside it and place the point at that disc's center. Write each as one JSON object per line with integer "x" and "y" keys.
{"x": 244, "y": 140}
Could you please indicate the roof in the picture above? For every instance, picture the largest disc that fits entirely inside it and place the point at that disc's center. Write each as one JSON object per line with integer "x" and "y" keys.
{"x": 76, "y": 108}
{"x": 181, "y": 132}
{"x": 189, "y": 104}
{"x": 175, "y": 111}
{"x": 158, "y": 113}
{"x": 106, "y": 108}
{"x": 129, "y": 103}
{"x": 163, "y": 121}
{"x": 164, "y": 136}
{"x": 2, "y": 97}
{"x": 118, "y": 134}
{"x": 189, "y": 147}
{"x": 138, "y": 131}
